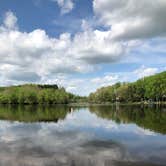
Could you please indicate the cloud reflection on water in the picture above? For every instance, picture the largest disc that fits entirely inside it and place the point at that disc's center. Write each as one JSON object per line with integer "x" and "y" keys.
{"x": 82, "y": 139}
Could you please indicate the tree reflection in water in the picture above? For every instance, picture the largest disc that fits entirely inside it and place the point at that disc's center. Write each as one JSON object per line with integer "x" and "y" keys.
{"x": 152, "y": 118}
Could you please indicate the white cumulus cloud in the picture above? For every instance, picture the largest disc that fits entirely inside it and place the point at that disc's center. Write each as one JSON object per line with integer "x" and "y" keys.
{"x": 65, "y": 5}
{"x": 132, "y": 19}
{"x": 131, "y": 26}
{"x": 145, "y": 71}
{"x": 10, "y": 20}
{"x": 35, "y": 56}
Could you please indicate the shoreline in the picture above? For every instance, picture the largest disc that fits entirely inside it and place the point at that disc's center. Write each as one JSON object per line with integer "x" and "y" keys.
{"x": 117, "y": 104}
{"x": 89, "y": 104}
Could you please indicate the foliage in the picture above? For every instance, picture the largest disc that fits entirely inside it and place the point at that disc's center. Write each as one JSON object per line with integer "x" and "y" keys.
{"x": 149, "y": 88}
{"x": 35, "y": 94}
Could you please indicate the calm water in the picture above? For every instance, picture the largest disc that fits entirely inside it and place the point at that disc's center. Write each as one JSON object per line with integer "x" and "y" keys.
{"x": 77, "y": 136}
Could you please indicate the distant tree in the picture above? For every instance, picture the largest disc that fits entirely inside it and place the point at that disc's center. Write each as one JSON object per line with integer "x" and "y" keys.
{"x": 149, "y": 88}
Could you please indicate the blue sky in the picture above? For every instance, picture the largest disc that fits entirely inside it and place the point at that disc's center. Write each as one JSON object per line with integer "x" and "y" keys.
{"x": 46, "y": 14}
{"x": 81, "y": 44}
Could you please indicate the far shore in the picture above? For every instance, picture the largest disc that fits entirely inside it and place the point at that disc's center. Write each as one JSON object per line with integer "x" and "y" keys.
{"x": 86, "y": 104}
{"x": 118, "y": 103}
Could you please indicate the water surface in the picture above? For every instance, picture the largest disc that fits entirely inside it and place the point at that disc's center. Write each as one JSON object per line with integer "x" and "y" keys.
{"x": 82, "y": 136}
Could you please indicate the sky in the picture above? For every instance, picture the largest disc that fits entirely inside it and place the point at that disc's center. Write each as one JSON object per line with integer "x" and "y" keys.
{"x": 81, "y": 45}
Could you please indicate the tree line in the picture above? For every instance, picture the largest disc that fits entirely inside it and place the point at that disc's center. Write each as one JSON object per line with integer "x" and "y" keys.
{"x": 36, "y": 94}
{"x": 152, "y": 88}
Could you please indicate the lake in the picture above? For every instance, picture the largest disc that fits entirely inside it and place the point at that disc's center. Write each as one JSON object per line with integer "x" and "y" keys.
{"x": 82, "y": 136}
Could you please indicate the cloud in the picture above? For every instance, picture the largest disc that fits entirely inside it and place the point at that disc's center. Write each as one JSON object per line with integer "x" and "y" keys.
{"x": 84, "y": 86}
{"x": 65, "y": 5}
{"x": 24, "y": 76}
{"x": 106, "y": 80}
{"x": 36, "y": 56}
{"x": 132, "y": 19}
{"x": 143, "y": 71}
{"x": 87, "y": 85}
{"x": 95, "y": 47}
{"x": 10, "y": 20}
